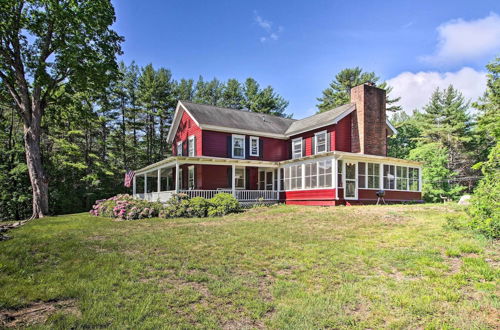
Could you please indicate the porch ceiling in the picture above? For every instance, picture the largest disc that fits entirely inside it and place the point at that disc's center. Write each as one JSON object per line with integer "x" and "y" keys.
{"x": 171, "y": 161}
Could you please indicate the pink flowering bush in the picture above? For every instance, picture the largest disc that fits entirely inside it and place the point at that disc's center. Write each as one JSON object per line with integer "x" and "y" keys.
{"x": 125, "y": 207}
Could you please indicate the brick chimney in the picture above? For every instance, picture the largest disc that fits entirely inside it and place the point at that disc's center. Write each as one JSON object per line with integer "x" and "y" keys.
{"x": 368, "y": 131}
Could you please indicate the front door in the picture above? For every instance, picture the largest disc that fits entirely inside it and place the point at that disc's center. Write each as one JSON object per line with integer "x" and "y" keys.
{"x": 351, "y": 184}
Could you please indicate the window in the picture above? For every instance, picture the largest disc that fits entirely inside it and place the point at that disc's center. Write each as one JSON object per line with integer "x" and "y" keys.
{"x": 191, "y": 177}
{"x": 361, "y": 175}
{"x": 295, "y": 177}
{"x": 179, "y": 179}
{"x": 191, "y": 146}
{"x": 320, "y": 142}
{"x": 239, "y": 177}
{"x": 324, "y": 174}
{"x": 238, "y": 146}
{"x": 254, "y": 146}
{"x": 339, "y": 174}
{"x": 389, "y": 177}
{"x": 413, "y": 177}
{"x": 311, "y": 175}
{"x": 286, "y": 177}
{"x": 401, "y": 178}
{"x": 373, "y": 176}
{"x": 297, "y": 148}
{"x": 179, "y": 148}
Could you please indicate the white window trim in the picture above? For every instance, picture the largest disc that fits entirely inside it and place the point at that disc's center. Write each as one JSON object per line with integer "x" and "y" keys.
{"x": 191, "y": 171}
{"x": 177, "y": 151}
{"x": 293, "y": 148}
{"x": 234, "y": 136}
{"x": 316, "y": 142}
{"x": 244, "y": 178}
{"x": 303, "y": 163}
{"x": 191, "y": 146}
{"x": 344, "y": 179}
{"x": 254, "y": 138}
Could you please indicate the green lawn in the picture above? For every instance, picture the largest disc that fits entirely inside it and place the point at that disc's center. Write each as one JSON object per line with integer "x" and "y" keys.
{"x": 277, "y": 267}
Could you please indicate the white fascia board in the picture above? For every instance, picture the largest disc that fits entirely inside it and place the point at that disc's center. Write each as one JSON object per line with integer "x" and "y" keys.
{"x": 393, "y": 129}
{"x": 179, "y": 110}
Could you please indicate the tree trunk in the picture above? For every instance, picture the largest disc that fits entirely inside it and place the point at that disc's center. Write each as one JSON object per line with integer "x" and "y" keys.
{"x": 39, "y": 181}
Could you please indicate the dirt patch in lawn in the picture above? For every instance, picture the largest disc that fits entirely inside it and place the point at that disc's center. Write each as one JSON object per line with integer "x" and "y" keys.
{"x": 36, "y": 313}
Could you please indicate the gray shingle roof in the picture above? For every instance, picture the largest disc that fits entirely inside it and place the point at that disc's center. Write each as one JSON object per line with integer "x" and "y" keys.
{"x": 319, "y": 120}
{"x": 240, "y": 119}
{"x": 245, "y": 120}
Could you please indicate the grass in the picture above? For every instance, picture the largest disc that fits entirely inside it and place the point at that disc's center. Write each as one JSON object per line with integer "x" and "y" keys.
{"x": 277, "y": 267}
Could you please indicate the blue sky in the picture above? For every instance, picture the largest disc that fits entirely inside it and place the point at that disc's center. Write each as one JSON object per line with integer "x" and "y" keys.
{"x": 299, "y": 46}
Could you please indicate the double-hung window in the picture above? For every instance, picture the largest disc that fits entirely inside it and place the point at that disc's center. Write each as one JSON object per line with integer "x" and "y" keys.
{"x": 320, "y": 142}
{"x": 191, "y": 146}
{"x": 239, "y": 177}
{"x": 297, "y": 148}
{"x": 254, "y": 146}
{"x": 238, "y": 146}
{"x": 191, "y": 177}
{"x": 179, "y": 148}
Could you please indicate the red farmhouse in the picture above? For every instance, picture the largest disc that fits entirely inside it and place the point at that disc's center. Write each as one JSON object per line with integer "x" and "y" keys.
{"x": 331, "y": 158}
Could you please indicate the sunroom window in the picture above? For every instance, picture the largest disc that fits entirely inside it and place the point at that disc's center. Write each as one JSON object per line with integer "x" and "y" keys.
{"x": 238, "y": 146}
{"x": 239, "y": 177}
{"x": 320, "y": 142}
{"x": 389, "y": 177}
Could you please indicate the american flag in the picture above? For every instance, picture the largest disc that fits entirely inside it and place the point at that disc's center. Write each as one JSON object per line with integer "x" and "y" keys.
{"x": 129, "y": 176}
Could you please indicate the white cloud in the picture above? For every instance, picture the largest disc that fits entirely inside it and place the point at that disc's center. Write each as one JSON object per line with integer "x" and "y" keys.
{"x": 461, "y": 40}
{"x": 267, "y": 26}
{"x": 416, "y": 88}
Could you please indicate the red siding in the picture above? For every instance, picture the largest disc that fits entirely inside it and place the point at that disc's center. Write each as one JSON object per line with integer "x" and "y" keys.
{"x": 214, "y": 177}
{"x": 390, "y": 195}
{"x": 308, "y": 137}
{"x": 215, "y": 145}
{"x": 187, "y": 127}
{"x": 343, "y": 135}
{"x": 318, "y": 197}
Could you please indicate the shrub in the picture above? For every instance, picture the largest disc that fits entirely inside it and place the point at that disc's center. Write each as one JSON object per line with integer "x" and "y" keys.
{"x": 484, "y": 209}
{"x": 125, "y": 207}
{"x": 222, "y": 204}
{"x": 198, "y": 207}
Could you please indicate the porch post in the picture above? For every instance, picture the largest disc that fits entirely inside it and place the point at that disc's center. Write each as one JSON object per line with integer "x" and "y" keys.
{"x": 159, "y": 180}
{"x": 176, "y": 177}
{"x": 134, "y": 189}
{"x": 278, "y": 182}
{"x": 145, "y": 183}
{"x": 233, "y": 187}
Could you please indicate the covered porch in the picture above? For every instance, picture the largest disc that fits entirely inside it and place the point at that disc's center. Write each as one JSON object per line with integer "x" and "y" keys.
{"x": 249, "y": 181}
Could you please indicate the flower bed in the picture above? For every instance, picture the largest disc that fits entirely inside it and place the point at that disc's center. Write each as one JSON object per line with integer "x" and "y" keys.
{"x": 125, "y": 207}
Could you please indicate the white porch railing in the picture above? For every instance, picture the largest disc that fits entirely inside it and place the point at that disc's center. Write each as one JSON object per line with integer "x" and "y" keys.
{"x": 161, "y": 196}
{"x": 253, "y": 195}
{"x": 241, "y": 195}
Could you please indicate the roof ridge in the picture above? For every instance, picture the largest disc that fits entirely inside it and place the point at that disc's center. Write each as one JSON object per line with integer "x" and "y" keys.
{"x": 243, "y": 110}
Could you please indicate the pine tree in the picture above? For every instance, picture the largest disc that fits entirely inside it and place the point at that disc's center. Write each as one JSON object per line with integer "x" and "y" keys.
{"x": 339, "y": 91}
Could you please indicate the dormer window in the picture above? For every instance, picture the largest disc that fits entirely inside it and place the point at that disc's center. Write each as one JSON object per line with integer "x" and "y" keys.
{"x": 297, "y": 148}
{"x": 238, "y": 146}
{"x": 320, "y": 142}
{"x": 254, "y": 146}
{"x": 179, "y": 148}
